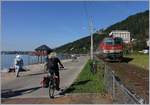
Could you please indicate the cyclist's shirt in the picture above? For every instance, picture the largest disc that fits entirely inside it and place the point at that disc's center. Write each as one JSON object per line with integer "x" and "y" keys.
{"x": 53, "y": 63}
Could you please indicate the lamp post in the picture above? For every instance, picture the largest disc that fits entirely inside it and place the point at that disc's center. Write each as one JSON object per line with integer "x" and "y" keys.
{"x": 91, "y": 33}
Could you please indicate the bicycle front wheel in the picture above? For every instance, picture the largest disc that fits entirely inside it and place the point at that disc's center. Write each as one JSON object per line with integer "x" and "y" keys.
{"x": 51, "y": 89}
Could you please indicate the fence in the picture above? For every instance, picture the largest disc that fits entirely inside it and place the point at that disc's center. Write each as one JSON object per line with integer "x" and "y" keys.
{"x": 120, "y": 94}
{"x": 32, "y": 59}
{"x": 7, "y": 60}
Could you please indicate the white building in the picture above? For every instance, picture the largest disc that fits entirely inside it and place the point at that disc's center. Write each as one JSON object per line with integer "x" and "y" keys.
{"x": 125, "y": 35}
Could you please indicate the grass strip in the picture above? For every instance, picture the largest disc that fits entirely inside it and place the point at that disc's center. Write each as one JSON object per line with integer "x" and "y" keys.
{"x": 87, "y": 82}
{"x": 141, "y": 60}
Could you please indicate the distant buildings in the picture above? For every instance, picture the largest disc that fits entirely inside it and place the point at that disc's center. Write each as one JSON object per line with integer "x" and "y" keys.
{"x": 125, "y": 35}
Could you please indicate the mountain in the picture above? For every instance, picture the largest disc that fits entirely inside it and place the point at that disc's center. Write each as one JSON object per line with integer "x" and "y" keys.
{"x": 137, "y": 24}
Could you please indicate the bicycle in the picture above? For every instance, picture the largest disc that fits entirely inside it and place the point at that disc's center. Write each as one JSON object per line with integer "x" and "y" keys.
{"x": 52, "y": 84}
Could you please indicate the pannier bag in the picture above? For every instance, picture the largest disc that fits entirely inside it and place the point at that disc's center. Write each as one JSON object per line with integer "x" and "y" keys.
{"x": 45, "y": 82}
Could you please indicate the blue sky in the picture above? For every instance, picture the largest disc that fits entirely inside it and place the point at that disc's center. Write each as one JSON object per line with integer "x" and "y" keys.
{"x": 29, "y": 24}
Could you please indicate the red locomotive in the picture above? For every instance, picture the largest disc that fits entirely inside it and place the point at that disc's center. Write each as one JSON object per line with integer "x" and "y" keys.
{"x": 111, "y": 48}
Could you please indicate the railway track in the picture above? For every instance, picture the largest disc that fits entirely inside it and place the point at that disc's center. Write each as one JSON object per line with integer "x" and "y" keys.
{"x": 134, "y": 78}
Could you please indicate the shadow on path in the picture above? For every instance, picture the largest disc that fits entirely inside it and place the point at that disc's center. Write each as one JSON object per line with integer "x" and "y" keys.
{"x": 21, "y": 70}
{"x": 34, "y": 74}
{"x": 10, "y": 93}
{"x": 72, "y": 87}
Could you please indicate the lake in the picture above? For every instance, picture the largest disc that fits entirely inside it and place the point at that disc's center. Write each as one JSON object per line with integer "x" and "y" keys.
{"x": 7, "y": 60}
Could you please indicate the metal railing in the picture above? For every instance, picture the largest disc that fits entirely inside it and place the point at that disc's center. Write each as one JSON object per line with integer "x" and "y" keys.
{"x": 7, "y": 60}
{"x": 114, "y": 86}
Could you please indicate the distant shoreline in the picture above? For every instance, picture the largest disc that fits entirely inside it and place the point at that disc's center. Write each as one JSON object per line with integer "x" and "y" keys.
{"x": 17, "y": 52}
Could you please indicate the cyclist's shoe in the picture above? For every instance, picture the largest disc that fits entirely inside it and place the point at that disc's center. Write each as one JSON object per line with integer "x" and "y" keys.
{"x": 62, "y": 92}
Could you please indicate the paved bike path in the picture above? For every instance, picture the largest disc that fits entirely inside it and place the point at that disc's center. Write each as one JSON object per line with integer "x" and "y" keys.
{"x": 28, "y": 85}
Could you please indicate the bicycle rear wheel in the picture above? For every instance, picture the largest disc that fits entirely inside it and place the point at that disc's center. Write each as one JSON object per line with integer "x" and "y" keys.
{"x": 51, "y": 88}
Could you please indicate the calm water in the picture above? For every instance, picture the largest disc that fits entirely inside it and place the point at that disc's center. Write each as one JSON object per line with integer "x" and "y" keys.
{"x": 7, "y": 60}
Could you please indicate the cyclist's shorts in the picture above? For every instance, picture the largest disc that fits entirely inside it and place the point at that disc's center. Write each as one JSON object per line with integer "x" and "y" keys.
{"x": 51, "y": 71}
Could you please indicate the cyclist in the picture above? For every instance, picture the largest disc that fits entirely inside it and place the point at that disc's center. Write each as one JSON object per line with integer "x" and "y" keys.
{"x": 53, "y": 67}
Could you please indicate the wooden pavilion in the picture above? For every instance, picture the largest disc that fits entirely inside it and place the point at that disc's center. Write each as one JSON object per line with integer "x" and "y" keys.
{"x": 41, "y": 51}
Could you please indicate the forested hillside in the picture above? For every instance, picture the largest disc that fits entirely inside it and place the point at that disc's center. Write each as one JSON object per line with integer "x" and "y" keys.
{"x": 137, "y": 24}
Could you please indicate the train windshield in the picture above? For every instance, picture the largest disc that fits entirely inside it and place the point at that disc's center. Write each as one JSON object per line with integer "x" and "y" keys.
{"x": 108, "y": 41}
{"x": 118, "y": 40}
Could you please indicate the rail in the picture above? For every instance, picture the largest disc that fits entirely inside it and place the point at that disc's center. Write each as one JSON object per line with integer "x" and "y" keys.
{"x": 114, "y": 86}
